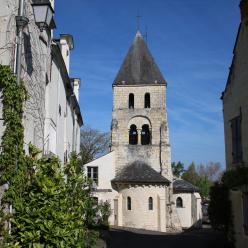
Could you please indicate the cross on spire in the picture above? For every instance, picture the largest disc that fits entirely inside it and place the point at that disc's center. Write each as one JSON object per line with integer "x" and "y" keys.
{"x": 138, "y": 21}
{"x": 146, "y": 34}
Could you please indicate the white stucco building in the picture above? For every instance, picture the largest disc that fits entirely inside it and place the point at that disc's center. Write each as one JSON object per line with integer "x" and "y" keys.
{"x": 52, "y": 117}
{"x": 63, "y": 118}
{"x": 188, "y": 203}
{"x": 136, "y": 176}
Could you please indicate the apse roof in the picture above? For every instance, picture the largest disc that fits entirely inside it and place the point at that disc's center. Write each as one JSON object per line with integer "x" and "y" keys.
{"x": 140, "y": 172}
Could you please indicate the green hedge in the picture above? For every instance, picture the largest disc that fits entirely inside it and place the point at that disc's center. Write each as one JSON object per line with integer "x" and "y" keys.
{"x": 220, "y": 208}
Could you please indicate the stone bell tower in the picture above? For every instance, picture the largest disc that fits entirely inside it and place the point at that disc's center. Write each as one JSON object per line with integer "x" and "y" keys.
{"x": 139, "y": 130}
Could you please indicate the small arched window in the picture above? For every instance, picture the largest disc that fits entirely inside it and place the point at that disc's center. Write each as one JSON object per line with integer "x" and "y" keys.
{"x": 131, "y": 101}
{"x": 133, "y": 135}
{"x": 179, "y": 202}
{"x": 150, "y": 203}
{"x": 147, "y": 100}
{"x": 129, "y": 203}
{"x": 145, "y": 135}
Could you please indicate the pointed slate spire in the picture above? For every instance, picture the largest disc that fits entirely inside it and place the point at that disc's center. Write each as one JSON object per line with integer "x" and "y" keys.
{"x": 139, "y": 66}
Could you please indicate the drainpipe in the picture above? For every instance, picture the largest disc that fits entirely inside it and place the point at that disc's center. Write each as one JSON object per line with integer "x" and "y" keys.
{"x": 73, "y": 132}
{"x": 21, "y": 22}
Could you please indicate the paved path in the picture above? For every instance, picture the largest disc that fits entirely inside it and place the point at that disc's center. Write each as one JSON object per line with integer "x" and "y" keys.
{"x": 203, "y": 238}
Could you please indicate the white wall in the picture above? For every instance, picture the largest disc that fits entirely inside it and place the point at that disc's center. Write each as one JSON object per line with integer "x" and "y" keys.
{"x": 189, "y": 215}
{"x": 70, "y": 119}
{"x": 60, "y": 118}
{"x": 184, "y": 213}
{"x": 199, "y": 208}
{"x": 106, "y": 173}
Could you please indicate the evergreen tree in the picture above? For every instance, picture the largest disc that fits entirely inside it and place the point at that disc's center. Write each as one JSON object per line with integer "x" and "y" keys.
{"x": 177, "y": 168}
{"x": 191, "y": 174}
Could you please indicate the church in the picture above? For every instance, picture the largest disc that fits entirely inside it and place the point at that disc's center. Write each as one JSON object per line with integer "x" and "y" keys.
{"x": 135, "y": 177}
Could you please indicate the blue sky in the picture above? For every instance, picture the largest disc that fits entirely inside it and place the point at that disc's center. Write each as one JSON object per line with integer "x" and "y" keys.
{"x": 191, "y": 41}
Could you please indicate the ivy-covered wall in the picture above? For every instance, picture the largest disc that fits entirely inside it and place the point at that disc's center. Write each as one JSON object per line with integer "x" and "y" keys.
{"x": 48, "y": 211}
{"x": 35, "y": 65}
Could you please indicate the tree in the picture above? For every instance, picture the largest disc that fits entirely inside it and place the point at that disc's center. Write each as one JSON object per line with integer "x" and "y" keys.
{"x": 92, "y": 144}
{"x": 191, "y": 174}
{"x": 211, "y": 170}
{"x": 177, "y": 168}
{"x": 203, "y": 176}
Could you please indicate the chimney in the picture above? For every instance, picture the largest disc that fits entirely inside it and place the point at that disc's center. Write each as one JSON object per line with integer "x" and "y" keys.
{"x": 244, "y": 10}
{"x": 66, "y": 45}
{"x": 76, "y": 85}
{"x": 52, "y": 3}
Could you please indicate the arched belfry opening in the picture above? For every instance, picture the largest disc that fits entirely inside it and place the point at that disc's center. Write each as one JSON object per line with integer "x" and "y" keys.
{"x": 131, "y": 101}
{"x": 147, "y": 100}
{"x": 133, "y": 135}
{"x": 145, "y": 135}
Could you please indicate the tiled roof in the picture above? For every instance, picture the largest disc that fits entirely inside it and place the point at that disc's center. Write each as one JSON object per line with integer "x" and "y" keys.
{"x": 181, "y": 185}
{"x": 140, "y": 172}
{"x": 139, "y": 66}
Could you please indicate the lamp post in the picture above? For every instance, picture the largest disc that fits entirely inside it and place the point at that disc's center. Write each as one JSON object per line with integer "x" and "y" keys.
{"x": 43, "y": 14}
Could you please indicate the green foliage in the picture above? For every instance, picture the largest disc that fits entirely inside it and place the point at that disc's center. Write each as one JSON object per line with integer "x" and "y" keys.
{"x": 236, "y": 177}
{"x": 177, "y": 168}
{"x": 12, "y": 139}
{"x": 220, "y": 213}
{"x": 219, "y": 207}
{"x": 49, "y": 208}
{"x": 202, "y": 176}
{"x": 191, "y": 175}
{"x": 204, "y": 184}
{"x": 105, "y": 212}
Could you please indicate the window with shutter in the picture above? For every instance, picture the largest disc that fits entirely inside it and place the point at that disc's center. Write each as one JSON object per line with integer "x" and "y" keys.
{"x": 236, "y": 139}
{"x": 245, "y": 212}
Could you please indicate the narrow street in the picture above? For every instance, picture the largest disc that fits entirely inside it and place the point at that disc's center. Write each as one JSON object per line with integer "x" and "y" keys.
{"x": 203, "y": 238}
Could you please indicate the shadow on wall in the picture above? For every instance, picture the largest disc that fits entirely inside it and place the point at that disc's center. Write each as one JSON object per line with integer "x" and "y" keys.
{"x": 132, "y": 238}
{"x": 196, "y": 225}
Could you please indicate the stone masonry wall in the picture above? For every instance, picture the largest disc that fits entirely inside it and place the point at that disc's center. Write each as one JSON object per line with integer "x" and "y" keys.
{"x": 35, "y": 65}
{"x": 157, "y": 155}
{"x": 235, "y": 97}
{"x": 140, "y": 216}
